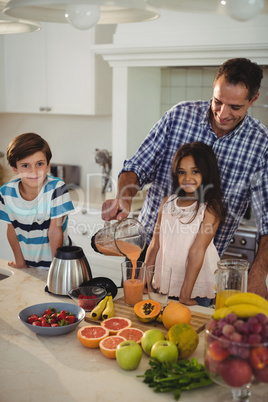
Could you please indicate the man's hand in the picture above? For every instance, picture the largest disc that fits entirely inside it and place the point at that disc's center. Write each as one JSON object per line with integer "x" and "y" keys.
{"x": 258, "y": 272}
{"x": 257, "y": 282}
{"x": 115, "y": 209}
{"x": 119, "y": 208}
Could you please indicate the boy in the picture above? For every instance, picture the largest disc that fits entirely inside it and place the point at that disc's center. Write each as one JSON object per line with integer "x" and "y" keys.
{"x": 35, "y": 205}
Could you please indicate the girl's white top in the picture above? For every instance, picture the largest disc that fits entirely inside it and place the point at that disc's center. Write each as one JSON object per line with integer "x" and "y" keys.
{"x": 176, "y": 238}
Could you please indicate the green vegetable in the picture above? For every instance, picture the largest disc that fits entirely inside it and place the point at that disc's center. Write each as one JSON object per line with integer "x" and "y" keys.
{"x": 183, "y": 375}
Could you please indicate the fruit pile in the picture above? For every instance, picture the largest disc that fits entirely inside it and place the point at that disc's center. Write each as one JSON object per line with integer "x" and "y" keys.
{"x": 237, "y": 341}
{"x": 115, "y": 337}
{"x": 52, "y": 318}
{"x": 174, "y": 313}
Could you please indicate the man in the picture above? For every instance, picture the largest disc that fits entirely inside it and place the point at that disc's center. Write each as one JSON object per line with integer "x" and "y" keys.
{"x": 240, "y": 143}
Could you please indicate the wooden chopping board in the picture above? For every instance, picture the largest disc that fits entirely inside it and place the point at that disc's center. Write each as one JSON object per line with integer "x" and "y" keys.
{"x": 198, "y": 320}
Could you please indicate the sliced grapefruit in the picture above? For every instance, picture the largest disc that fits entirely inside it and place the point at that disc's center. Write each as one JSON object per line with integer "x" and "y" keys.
{"x": 91, "y": 335}
{"x": 108, "y": 345}
{"x": 114, "y": 324}
{"x": 131, "y": 334}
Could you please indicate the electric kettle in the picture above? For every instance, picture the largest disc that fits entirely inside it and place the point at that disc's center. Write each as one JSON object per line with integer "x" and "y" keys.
{"x": 68, "y": 270}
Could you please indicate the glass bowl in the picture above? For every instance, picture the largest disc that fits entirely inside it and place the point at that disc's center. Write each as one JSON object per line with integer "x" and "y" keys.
{"x": 87, "y": 297}
{"x": 232, "y": 362}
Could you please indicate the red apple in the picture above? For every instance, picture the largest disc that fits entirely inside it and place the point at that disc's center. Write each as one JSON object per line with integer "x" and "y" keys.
{"x": 212, "y": 365}
{"x": 261, "y": 375}
{"x": 236, "y": 372}
{"x": 217, "y": 352}
{"x": 259, "y": 357}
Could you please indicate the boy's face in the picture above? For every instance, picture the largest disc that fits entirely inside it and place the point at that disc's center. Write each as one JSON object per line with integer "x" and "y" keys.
{"x": 33, "y": 170}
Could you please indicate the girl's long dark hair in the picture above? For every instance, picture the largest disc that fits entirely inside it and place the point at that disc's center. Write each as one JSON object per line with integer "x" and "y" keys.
{"x": 206, "y": 162}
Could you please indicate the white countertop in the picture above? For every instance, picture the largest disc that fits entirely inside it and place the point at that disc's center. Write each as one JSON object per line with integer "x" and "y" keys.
{"x": 59, "y": 369}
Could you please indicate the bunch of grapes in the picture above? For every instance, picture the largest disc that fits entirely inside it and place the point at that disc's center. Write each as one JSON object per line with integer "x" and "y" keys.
{"x": 252, "y": 331}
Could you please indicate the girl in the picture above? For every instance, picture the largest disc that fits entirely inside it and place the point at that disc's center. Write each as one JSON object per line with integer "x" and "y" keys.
{"x": 186, "y": 224}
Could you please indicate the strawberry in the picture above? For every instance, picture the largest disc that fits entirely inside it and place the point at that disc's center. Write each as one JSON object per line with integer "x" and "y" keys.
{"x": 70, "y": 318}
{"x": 37, "y": 323}
{"x": 44, "y": 323}
{"x": 61, "y": 315}
{"x": 47, "y": 312}
{"x": 32, "y": 318}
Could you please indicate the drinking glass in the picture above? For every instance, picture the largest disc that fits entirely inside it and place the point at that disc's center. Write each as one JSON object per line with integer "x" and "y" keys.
{"x": 133, "y": 279}
{"x": 158, "y": 283}
{"x": 231, "y": 278}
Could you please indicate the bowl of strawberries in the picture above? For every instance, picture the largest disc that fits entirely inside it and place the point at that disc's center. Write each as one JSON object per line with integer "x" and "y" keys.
{"x": 51, "y": 319}
{"x": 87, "y": 297}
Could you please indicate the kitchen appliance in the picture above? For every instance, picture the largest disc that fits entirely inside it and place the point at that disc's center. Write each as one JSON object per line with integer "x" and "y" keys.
{"x": 68, "y": 270}
{"x": 70, "y": 174}
{"x": 243, "y": 245}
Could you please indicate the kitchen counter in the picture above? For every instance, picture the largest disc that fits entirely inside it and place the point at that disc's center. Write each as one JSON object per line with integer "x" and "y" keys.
{"x": 60, "y": 369}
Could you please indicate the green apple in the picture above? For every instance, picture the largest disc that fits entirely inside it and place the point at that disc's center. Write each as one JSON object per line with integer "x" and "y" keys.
{"x": 149, "y": 338}
{"x": 165, "y": 352}
{"x": 128, "y": 355}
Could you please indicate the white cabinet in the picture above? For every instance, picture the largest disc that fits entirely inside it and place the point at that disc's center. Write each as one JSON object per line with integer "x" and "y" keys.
{"x": 82, "y": 226}
{"x": 5, "y": 249}
{"x": 55, "y": 71}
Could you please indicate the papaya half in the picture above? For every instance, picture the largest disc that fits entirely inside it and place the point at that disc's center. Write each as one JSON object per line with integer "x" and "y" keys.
{"x": 147, "y": 310}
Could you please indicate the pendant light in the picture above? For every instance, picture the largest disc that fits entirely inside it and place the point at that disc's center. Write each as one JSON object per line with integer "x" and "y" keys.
{"x": 9, "y": 25}
{"x": 240, "y": 10}
{"x": 243, "y": 10}
{"x": 83, "y": 14}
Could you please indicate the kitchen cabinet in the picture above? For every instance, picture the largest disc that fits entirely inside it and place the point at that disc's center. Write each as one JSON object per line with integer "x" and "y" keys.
{"x": 5, "y": 249}
{"x": 55, "y": 71}
{"x": 81, "y": 227}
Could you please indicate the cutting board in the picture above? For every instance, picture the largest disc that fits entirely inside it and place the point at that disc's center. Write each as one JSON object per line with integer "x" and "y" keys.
{"x": 198, "y": 320}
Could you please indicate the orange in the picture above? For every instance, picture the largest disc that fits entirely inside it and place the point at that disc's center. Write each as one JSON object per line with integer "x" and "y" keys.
{"x": 176, "y": 313}
{"x": 185, "y": 338}
{"x": 91, "y": 335}
{"x": 108, "y": 345}
{"x": 131, "y": 334}
{"x": 114, "y": 324}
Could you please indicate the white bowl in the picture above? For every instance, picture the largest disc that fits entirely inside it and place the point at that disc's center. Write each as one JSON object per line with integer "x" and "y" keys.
{"x": 39, "y": 309}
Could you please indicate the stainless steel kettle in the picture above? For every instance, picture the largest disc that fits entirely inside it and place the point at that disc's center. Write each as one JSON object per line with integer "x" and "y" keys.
{"x": 68, "y": 270}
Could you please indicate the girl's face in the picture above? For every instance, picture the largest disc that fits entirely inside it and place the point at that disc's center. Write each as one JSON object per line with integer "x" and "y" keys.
{"x": 189, "y": 176}
{"x": 32, "y": 170}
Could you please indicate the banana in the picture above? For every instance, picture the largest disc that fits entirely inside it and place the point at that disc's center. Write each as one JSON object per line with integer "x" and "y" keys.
{"x": 247, "y": 298}
{"x": 221, "y": 313}
{"x": 97, "y": 311}
{"x": 242, "y": 310}
{"x": 108, "y": 312}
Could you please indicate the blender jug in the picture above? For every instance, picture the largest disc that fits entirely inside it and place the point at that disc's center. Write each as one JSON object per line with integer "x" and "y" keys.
{"x": 122, "y": 238}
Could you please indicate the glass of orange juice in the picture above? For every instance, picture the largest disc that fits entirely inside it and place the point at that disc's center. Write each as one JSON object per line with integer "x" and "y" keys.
{"x": 231, "y": 278}
{"x": 133, "y": 278}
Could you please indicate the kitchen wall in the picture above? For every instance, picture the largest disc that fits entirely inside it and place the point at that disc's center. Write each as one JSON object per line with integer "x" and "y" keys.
{"x": 191, "y": 83}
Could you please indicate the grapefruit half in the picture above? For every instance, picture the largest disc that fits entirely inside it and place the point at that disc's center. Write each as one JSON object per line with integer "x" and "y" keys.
{"x": 91, "y": 335}
{"x": 108, "y": 345}
{"x": 115, "y": 324}
{"x": 131, "y": 334}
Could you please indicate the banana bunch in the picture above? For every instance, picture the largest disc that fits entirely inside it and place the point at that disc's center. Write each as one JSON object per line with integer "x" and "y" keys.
{"x": 243, "y": 305}
{"x": 104, "y": 309}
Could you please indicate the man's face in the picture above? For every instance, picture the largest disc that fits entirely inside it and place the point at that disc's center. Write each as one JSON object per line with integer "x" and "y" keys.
{"x": 229, "y": 106}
